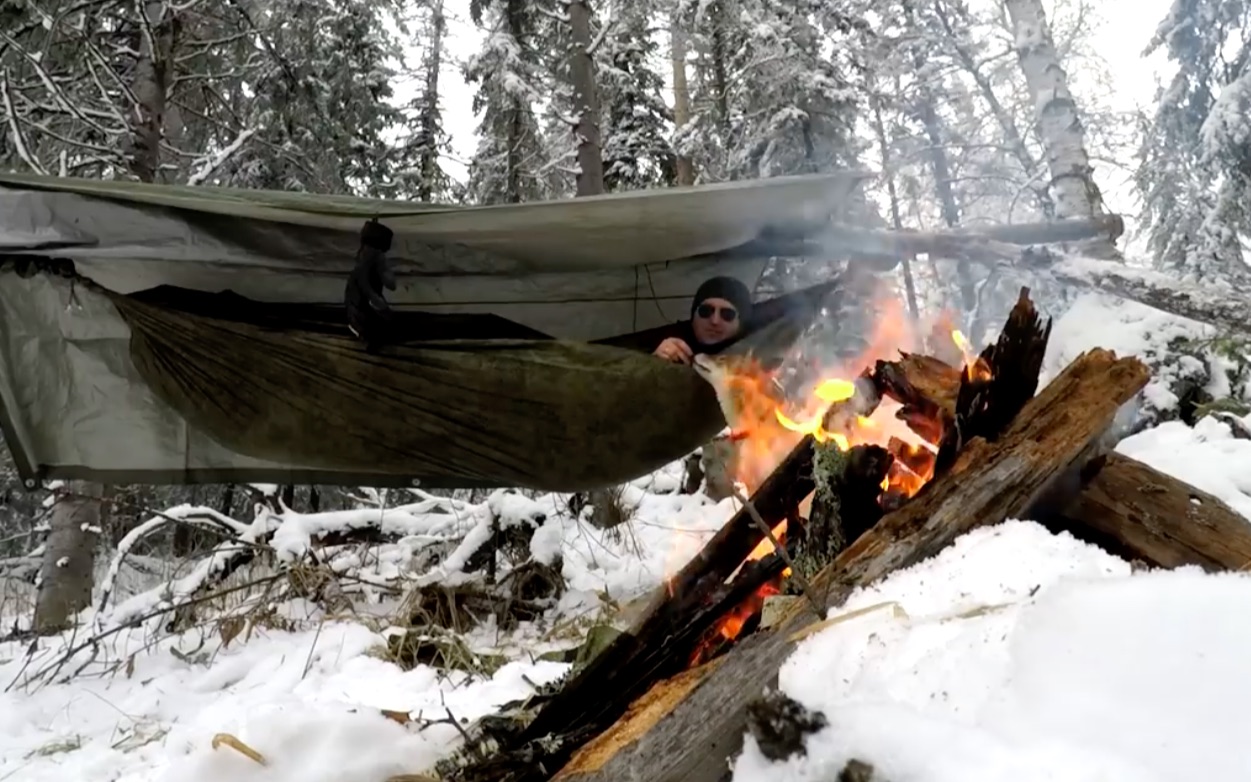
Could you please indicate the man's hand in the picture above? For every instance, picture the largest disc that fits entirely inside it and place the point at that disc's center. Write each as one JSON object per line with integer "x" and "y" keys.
{"x": 675, "y": 350}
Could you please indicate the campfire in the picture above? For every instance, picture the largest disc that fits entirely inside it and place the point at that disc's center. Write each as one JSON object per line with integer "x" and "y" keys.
{"x": 842, "y": 409}
{"x": 895, "y": 455}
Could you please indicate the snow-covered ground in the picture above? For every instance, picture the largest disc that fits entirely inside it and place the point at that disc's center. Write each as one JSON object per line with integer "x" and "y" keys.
{"x": 1013, "y": 655}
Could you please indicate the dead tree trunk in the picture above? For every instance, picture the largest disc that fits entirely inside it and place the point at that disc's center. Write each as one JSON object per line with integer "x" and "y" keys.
{"x": 681, "y": 92}
{"x": 428, "y": 118}
{"x": 586, "y": 100}
{"x": 1059, "y": 127}
{"x": 1222, "y": 305}
{"x": 153, "y": 73}
{"x": 67, "y": 573}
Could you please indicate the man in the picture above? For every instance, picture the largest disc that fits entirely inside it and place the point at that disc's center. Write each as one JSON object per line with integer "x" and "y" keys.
{"x": 718, "y": 311}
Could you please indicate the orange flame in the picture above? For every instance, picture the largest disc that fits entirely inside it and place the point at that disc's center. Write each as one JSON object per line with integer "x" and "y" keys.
{"x": 975, "y": 367}
{"x": 773, "y": 426}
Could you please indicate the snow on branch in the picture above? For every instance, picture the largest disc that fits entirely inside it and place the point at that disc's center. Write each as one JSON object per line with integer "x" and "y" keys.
{"x": 454, "y": 534}
{"x": 1217, "y": 302}
{"x": 205, "y": 167}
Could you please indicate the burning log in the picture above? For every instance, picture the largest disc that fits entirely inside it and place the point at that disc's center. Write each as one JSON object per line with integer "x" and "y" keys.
{"x": 846, "y": 504}
{"x": 682, "y": 625}
{"x": 689, "y": 726}
{"x": 1137, "y": 512}
{"x": 926, "y": 389}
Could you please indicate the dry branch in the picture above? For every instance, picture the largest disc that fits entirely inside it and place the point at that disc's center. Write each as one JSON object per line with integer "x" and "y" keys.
{"x": 693, "y": 723}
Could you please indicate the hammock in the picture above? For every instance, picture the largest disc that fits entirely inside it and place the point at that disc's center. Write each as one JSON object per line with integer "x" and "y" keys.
{"x": 163, "y": 334}
{"x": 500, "y": 408}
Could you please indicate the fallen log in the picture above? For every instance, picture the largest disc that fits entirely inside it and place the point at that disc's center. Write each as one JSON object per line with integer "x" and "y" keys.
{"x": 1139, "y": 513}
{"x": 687, "y": 727}
{"x": 992, "y": 244}
{"x": 883, "y": 249}
{"x": 1218, "y": 302}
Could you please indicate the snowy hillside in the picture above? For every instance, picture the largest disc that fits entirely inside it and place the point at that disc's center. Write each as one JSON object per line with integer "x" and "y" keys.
{"x": 1015, "y": 654}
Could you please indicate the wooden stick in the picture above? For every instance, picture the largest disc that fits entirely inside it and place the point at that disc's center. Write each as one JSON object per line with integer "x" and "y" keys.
{"x": 693, "y": 724}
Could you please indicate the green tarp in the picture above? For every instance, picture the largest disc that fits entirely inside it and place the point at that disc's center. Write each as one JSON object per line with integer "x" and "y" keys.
{"x": 195, "y": 334}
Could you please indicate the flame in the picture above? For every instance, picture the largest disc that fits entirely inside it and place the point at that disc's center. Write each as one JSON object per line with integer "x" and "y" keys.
{"x": 828, "y": 411}
{"x": 975, "y": 367}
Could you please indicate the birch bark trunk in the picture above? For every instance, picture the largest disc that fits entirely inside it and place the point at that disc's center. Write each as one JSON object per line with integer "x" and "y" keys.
{"x": 1072, "y": 182}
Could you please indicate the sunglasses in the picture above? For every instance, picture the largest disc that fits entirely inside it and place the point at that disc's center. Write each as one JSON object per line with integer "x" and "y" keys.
{"x": 706, "y": 311}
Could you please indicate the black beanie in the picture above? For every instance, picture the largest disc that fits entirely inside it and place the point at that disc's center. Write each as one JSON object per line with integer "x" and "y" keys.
{"x": 728, "y": 288}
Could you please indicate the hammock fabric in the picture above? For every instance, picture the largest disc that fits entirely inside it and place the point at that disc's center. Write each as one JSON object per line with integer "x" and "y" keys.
{"x": 286, "y": 383}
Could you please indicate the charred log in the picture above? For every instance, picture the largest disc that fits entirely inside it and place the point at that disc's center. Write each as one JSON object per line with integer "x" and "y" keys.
{"x": 999, "y": 383}
{"x": 845, "y": 505}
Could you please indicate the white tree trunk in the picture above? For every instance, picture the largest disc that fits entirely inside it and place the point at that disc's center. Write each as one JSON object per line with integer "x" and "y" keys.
{"x": 65, "y": 578}
{"x": 1072, "y": 185}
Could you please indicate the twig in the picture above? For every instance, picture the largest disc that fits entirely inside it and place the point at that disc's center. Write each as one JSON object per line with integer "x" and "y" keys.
{"x": 139, "y": 620}
{"x": 804, "y": 586}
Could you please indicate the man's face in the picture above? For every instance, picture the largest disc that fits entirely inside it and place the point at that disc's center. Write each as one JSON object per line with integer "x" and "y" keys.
{"x": 715, "y": 320}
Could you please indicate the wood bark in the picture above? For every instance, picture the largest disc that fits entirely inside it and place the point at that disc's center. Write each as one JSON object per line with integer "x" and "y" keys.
{"x": 152, "y": 76}
{"x": 1120, "y": 504}
{"x": 1139, "y": 513}
{"x": 681, "y": 92}
{"x": 428, "y": 124}
{"x": 590, "y": 179}
{"x": 67, "y": 572}
{"x": 686, "y": 728}
{"x": 1059, "y": 126}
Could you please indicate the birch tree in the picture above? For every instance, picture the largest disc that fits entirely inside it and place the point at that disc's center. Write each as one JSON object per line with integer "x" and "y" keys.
{"x": 1072, "y": 177}
{"x": 66, "y": 575}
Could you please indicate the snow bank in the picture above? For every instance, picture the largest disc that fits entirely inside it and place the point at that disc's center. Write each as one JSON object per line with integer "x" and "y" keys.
{"x": 1132, "y": 329}
{"x": 1208, "y": 457}
{"x": 310, "y": 702}
{"x": 1021, "y": 655}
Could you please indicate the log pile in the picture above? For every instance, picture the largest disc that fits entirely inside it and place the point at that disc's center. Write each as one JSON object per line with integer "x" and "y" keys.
{"x": 670, "y": 699}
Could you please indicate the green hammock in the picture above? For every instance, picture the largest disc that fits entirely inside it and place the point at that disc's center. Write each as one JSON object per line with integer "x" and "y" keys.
{"x": 154, "y": 334}
{"x": 547, "y": 414}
